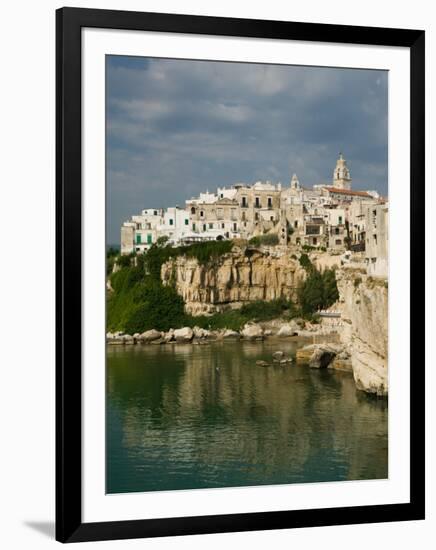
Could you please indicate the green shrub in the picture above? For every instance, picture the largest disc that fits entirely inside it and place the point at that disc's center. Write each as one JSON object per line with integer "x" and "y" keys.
{"x": 158, "y": 307}
{"x": 269, "y": 239}
{"x": 111, "y": 252}
{"x": 318, "y": 291}
{"x": 305, "y": 262}
{"x": 124, "y": 260}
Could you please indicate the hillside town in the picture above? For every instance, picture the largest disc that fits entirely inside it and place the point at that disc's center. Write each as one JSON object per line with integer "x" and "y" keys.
{"x": 330, "y": 217}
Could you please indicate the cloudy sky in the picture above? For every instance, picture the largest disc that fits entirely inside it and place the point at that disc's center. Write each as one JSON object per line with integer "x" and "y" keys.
{"x": 176, "y": 127}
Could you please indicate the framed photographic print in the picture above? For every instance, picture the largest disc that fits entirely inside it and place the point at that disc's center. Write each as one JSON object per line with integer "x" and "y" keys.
{"x": 240, "y": 274}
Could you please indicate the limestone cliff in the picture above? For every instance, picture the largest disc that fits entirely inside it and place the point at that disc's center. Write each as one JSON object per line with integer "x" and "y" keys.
{"x": 364, "y": 308}
{"x": 242, "y": 276}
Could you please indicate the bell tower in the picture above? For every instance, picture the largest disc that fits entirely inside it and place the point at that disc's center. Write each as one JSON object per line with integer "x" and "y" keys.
{"x": 295, "y": 184}
{"x": 341, "y": 174}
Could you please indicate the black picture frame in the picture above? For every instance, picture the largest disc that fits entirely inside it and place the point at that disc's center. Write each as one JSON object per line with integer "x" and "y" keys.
{"x": 69, "y": 23}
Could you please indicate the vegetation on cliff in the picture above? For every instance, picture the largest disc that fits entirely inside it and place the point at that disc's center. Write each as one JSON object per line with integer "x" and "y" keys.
{"x": 139, "y": 301}
{"x": 319, "y": 290}
{"x": 269, "y": 239}
{"x": 204, "y": 252}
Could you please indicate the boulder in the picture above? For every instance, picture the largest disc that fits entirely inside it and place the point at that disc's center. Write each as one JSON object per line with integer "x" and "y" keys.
{"x": 150, "y": 335}
{"x": 277, "y": 355}
{"x": 252, "y": 332}
{"x": 168, "y": 336}
{"x": 262, "y": 363}
{"x": 128, "y": 339}
{"x": 321, "y": 358}
{"x": 231, "y": 335}
{"x": 290, "y": 329}
{"x": 200, "y": 332}
{"x": 185, "y": 334}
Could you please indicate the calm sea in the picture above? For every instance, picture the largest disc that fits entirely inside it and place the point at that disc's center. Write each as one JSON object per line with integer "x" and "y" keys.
{"x": 194, "y": 416}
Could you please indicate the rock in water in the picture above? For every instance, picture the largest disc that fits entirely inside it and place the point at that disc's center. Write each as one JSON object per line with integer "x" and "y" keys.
{"x": 231, "y": 335}
{"x": 262, "y": 364}
{"x": 149, "y": 336}
{"x": 290, "y": 329}
{"x": 252, "y": 332}
{"x": 321, "y": 358}
{"x": 184, "y": 334}
{"x": 169, "y": 336}
{"x": 277, "y": 355}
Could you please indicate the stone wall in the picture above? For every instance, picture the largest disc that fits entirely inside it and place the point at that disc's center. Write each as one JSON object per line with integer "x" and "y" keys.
{"x": 238, "y": 277}
{"x": 364, "y": 308}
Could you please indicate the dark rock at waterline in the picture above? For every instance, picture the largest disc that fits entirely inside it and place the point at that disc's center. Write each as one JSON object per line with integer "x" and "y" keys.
{"x": 321, "y": 358}
{"x": 262, "y": 364}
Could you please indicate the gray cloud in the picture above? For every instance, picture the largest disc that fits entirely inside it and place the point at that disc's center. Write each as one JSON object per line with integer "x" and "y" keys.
{"x": 177, "y": 127}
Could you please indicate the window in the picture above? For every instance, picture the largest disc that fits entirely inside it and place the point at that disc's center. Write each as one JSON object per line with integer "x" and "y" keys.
{"x": 211, "y": 226}
{"x": 235, "y": 227}
{"x": 204, "y": 227}
{"x": 192, "y": 210}
{"x": 340, "y": 220}
{"x": 338, "y": 241}
{"x": 201, "y": 213}
{"x": 271, "y": 218}
{"x": 193, "y": 227}
{"x": 257, "y": 202}
{"x": 186, "y": 222}
{"x": 171, "y": 221}
{"x": 243, "y": 216}
{"x": 295, "y": 223}
{"x": 221, "y": 196}
{"x": 244, "y": 202}
{"x": 375, "y": 239}
{"x": 256, "y": 216}
{"x": 315, "y": 240}
{"x": 336, "y": 230}
{"x": 155, "y": 212}
{"x": 269, "y": 202}
{"x": 222, "y": 226}
{"x": 149, "y": 238}
{"x": 138, "y": 239}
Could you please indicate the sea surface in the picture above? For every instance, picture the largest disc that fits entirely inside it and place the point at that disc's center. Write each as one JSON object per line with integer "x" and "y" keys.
{"x": 203, "y": 416}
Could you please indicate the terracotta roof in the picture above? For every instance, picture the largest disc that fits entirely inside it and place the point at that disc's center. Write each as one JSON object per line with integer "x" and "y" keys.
{"x": 348, "y": 192}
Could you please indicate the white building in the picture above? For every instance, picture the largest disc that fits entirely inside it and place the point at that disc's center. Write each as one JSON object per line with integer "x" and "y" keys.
{"x": 331, "y": 216}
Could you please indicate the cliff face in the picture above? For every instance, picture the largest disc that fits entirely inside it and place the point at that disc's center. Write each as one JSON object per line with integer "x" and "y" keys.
{"x": 238, "y": 277}
{"x": 364, "y": 308}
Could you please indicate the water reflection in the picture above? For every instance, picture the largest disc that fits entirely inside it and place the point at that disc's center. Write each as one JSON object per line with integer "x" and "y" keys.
{"x": 184, "y": 416}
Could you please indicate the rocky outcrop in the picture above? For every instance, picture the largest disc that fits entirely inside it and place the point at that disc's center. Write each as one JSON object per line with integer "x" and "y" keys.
{"x": 327, "y": 355}
{"x": 364, "y": 309}
{"x": 242, "y": 276}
